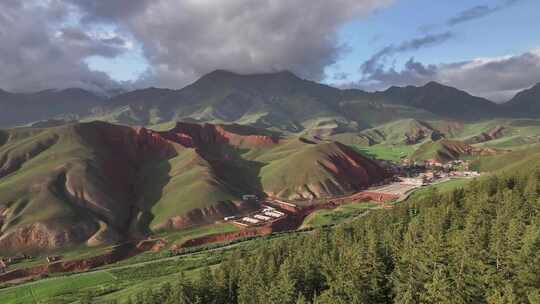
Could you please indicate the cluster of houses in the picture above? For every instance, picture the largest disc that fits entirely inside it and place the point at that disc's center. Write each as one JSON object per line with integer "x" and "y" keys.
{"x": 428, "y": 171}
{"x": 5, "y": 262}
{"x": 263, "y": 216}
{"x": 3, "y": 266}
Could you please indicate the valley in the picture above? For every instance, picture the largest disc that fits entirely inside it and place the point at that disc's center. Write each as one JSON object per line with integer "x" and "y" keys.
{"x": 158, "y": 268}
{"x": 263, "y": 215}
{"x": 155, "y": 186}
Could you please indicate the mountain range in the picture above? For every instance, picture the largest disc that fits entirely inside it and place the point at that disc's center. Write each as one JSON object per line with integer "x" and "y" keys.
{"x": 281, "y": 101}
{"x": 84, "y": 169}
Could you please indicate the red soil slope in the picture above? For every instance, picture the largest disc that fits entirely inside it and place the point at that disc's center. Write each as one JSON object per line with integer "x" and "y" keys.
{"x": 197, "y": 135}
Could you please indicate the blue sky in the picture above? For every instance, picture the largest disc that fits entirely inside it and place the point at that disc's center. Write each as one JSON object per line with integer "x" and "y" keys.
{"x": 489, "y": 48}
{"x": 509, "y": 31}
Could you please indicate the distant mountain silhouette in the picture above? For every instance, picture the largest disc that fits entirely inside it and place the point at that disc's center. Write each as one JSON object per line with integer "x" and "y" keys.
{"x": 278, "y": 100}
{"x": 526, "y": 103}
{"x": 23, "y": 108}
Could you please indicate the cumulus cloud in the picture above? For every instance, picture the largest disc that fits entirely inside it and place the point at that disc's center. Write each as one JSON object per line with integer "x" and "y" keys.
{"x": 48, "y": 41}
{"x": 38, "y": 51}
{"x": 45, "y": 43}
{"x": 183, "y": 40}
{"x": 496, "y": 78}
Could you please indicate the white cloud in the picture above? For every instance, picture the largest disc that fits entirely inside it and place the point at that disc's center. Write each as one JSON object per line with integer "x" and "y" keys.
{"x": 497, "y": 78}
{"x": 183, "y": 40}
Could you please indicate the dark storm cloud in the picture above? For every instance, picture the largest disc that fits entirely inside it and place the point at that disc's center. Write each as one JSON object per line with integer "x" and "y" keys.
{"x": 494, "y": 78}
{"x": 109, "y": 10}
{"x": 74, "y": 34}
{"x": 85, "y": 45}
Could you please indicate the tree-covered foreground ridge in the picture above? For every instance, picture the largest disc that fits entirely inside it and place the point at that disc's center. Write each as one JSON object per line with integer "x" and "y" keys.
{"x": 478, "y": 244}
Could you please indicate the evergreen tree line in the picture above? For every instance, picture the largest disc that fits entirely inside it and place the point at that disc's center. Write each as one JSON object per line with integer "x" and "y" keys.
{"x": 480, "y": 244}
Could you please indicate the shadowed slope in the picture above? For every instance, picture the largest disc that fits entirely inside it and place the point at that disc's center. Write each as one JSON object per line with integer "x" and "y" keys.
{"x": 101, "y": 183}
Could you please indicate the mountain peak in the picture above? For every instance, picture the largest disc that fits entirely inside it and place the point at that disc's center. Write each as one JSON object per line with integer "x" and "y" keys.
{"x": 429, "y": 85}
{"x": 434, "y": 84}
{"x": 220, "y": 74}
{"x": 526, "y": 102}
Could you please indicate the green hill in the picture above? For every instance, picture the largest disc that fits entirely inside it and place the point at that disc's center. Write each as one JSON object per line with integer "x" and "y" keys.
{"x": 446, "y": 150}
{"x": 406, "y": 132}
{"x": 99, "y": 183}
{"x": 518, "y": 160}
{"x": 316, "y": 170}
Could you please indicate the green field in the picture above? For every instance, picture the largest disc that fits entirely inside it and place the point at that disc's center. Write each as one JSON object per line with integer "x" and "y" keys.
{"x": 514, "y": 160}
{"x": 195, "y": 232}
{"x": 74, "y": 253}
{"x": 442, "y": 187}
{"x": 385, "y": 152}
{"x": 115, "y": 283}
{"x": 338, "y": 215}
{"x": 121, "y": 281}
{"x": 57, "y": 290}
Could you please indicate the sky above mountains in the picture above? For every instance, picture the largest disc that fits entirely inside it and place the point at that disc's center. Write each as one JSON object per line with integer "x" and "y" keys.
{"x": 489, "y": 48}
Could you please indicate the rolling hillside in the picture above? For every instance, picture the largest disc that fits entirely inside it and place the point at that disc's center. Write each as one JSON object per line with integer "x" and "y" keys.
{"x": 98, "y": 183}
{"x": 446, "y": 150}
{"x": 406, "y": 132}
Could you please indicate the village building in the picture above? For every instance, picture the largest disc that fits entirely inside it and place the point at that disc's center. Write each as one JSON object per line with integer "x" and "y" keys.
{"x": 16, "y": 259}
{"x": 262, "y": 217}
{"x": 3, "y": 266}
{"x": 274, "y": 214}
{"x": 53, "y": 258}
{"x": 433, "y": 163}
{"x": 250, "y": 220}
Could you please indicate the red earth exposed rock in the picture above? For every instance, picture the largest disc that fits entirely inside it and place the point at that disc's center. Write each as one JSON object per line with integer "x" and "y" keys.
{"x": 106, "y": 181}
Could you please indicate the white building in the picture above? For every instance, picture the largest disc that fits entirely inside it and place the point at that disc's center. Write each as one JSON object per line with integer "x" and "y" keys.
{"x": 250, "y": 220}
{"x": 274, "y": 214}
{"x": 261, "y": 217}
